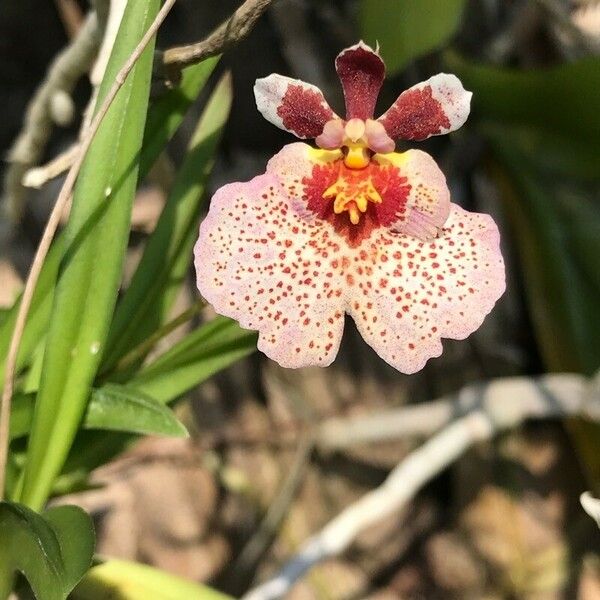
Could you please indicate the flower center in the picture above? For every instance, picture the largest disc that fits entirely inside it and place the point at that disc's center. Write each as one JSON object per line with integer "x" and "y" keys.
{"x": 355, "y": 201}
{"x": 358, "y": 138}
{"x": 352, "y": 193}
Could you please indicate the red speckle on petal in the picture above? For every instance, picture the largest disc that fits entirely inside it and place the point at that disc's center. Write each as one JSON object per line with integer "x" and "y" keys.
{"x": 415, "y": 116}
{"x": 302, "y": 112}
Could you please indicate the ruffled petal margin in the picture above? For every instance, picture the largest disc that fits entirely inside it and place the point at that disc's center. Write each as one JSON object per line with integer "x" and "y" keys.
{"x": 413, "y": 293}
{"x": 267, "y": 260}
{"x": 264, "y": 260}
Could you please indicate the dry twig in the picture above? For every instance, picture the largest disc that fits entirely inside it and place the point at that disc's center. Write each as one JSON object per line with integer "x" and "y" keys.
{"x": 501, "y": 399}
{"x": 236, "y": 28}
{"x": 489, "y": 415}
{"x": 63, "y": 74}
{"x": 50, "y": 230}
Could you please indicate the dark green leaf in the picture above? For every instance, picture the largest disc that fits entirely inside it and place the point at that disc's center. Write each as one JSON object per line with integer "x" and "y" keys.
{"x": 194, "y": 359}
{"x": 166, "y": 114}
{"x": 52, "y": 551}
{"x": 561, "y": 100}
{"x": 111, "y": 407}
{"x": 557, "y": 228}
{"x": 407, "y": 29}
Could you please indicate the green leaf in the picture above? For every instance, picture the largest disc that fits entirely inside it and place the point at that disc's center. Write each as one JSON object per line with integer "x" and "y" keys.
{"x": 544, "y": 128}
{"x": 52, "y": 551}
{"x": 133, "y": 581}
{"x": 166, "y": 114}
{"x": 164, "y": 117}
{"x": 96, "y": 237}
{"x": 557, "y": 228}
{"x": 194, "y": 359}
{"x": 408, "y": 29}
{"x": 168, "y": 253}
{"x": 560, "y": 100}
{"x": 121, "y": 408}
{"x": 111, "y": 408}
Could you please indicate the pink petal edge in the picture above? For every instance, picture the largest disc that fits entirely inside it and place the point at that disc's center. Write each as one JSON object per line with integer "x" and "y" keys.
{"x": 427, "y": 290}
{"x": 255, "y": 263}
{"x": 270, "y": 257}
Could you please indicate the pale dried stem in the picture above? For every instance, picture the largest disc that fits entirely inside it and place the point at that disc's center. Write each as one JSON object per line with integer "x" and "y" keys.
{"x": 38, "y": 176}
{"x": 502, "y": 399}
{"x": 237, "y": 27}
{"x": 500, "y": 405}
{"x": 63, "y": 74}
{"x": 50, "y": 230}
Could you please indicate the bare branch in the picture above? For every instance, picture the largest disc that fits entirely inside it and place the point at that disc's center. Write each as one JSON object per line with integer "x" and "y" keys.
{"x": 502, "y": 399}
{"x": 498, "y": 406}
{"x": 50, "y": 230}
{"x": 63, "y": 74}
{"x": 38, "y": 176}
{"x": 236, "y": 28}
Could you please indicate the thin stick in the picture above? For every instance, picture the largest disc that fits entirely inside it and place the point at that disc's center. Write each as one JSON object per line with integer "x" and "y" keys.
{"x": 63, "y": 74}
{"x": 50, "y": 230}
{"x": 237, "y": 27}
{"x": 481, "y": 423}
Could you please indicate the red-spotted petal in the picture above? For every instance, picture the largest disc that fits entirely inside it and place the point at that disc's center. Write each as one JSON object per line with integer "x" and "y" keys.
{"x": 428, "y": 203}
{"x": 264, "y": 259}
{"x": 361, "y": 72}
{"x": 408, "y": 293}
{"x": 293, "y": 105}
{"x": 433, "y": 107}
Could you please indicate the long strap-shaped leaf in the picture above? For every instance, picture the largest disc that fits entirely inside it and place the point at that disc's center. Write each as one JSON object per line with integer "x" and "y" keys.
{"x": 164, "y": 117}
{"x": 96, "y": 238}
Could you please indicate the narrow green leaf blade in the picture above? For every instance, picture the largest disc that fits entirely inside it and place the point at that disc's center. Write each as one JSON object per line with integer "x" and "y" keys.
{"x": 133, "y": 581}
{"x": 557, "y": 229}
{"x": 561, "y": 100}
{"x": 164, "y": 117}
{"x": 407, "y": 29}
{"x": 52, "y": 551}
{"x": 166, "y": 114}
{"x": 168, "y": 253}
{"x": 194, "y": 359}
{"x": 96, "y": 236}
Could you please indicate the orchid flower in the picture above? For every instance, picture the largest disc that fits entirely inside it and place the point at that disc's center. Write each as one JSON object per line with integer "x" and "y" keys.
{"x": 351, "y": 226}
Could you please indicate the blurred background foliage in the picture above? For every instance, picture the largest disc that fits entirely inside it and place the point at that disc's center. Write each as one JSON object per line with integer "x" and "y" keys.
{"x": 529, "y": 155}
